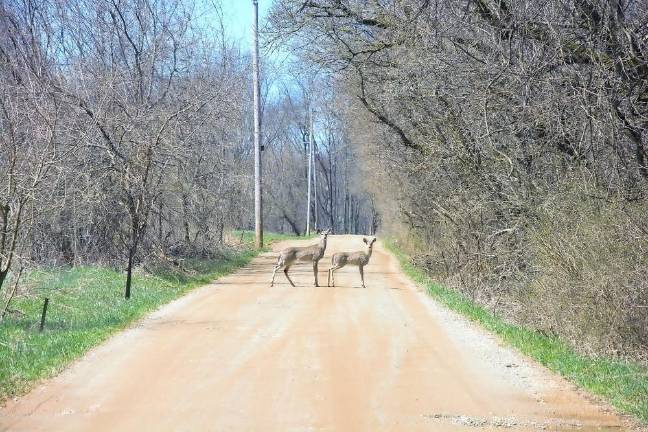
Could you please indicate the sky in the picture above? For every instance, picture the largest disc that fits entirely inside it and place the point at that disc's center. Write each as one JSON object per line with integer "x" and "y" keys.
{"x": 238, "y": 17}
{"x": 238, "y": 22}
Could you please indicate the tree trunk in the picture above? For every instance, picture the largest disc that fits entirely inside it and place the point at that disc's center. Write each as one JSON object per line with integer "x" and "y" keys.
{"x": 185, "y": 221}
{"x": 292, "y": 224}
{"x": 221, "y": 229}
{"x": 160, "y": 230}
{"x": 331, "y": 192}
{"x": 3, "y": 276}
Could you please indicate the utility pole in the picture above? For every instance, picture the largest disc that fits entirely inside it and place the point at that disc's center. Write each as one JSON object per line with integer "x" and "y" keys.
{"x": 314, "y": 168}
{"x": 310, "y": 172}
{"x": 258, "y": 202}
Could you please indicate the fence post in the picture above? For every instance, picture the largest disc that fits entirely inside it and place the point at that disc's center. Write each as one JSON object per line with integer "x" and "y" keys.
{"x": 42, "y": 323}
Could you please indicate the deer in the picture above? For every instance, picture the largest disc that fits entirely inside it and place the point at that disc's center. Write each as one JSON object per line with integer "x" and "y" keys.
{"x": 360, "y": 259}
{"x": 291, "y": 255}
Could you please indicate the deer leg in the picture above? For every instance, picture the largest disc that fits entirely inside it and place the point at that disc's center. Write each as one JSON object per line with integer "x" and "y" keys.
{"x": 332, "y": 275}
{"x": 288, "y": 277}
{"x": 362, "y": 276}
{"x": 277, "y": 267}
{"x": 315, "y": 272}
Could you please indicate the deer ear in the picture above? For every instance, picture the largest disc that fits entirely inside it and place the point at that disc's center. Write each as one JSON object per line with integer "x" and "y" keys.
{"x": 365, "y": 240}
{"x": 318, "y": 231}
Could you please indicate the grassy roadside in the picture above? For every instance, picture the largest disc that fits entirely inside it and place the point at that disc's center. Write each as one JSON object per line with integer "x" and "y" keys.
{"x": 86, "y": 307}
{"x": 623, "y": 384}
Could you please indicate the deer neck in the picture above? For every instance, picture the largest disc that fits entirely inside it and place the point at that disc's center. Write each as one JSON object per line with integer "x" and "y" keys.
{"x": 322, "y": 244}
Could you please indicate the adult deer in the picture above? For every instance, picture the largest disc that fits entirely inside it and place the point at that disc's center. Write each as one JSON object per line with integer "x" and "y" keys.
{"x": 359, "y": 259}
{"x": 290, "y": 256}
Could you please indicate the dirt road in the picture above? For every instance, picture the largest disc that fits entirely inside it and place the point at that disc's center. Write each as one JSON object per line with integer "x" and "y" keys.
{"x": 238, "y": 355}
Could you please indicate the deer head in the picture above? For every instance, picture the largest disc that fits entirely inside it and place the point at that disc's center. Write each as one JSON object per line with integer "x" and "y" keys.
{"x": 324, "y": 234}
{"x": 369, "y": 243}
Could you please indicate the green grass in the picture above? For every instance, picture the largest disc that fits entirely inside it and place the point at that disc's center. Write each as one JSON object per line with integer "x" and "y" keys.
{"x": 623, "y": 384}
{"x": 86, "y": 306}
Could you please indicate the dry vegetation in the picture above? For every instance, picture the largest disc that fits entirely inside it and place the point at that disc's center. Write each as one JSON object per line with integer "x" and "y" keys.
{"x": 125, "y": 138}
{"x": 506, "y": 145}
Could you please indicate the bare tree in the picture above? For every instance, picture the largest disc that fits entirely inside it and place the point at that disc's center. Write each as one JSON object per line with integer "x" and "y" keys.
{"x": 484, "y": 128}
{"x": 29, "y": 139}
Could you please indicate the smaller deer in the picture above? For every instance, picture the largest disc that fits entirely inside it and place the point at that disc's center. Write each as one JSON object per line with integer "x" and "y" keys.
{"x": 289, "y": 256}
{"x": 359, "y": 259}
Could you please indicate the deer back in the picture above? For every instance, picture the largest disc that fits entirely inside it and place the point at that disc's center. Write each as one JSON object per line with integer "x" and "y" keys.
{"x": 309, "y": 253}
{"x": 339, "y": 259}
{"x": 305, "y": 253}
{"x": 350, "y": 258}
